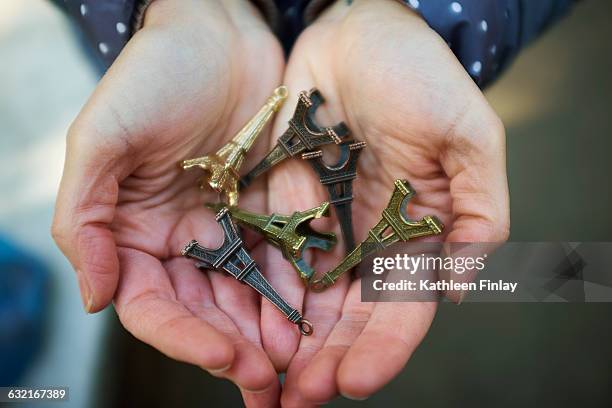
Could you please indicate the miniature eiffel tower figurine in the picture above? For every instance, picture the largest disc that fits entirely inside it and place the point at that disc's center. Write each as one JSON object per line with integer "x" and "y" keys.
{"x": 291, "y": 234}
{"x": 302, "y": 135}
{"x": 393, "y": 227}
{"x": 224, "y": 165}
{"x": 339, "y": 182}
{"x": 235, "y": 260}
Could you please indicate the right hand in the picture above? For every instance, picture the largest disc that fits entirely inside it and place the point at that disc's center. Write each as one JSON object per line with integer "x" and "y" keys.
{"x": 182, "y": 87}
{"x": 398, "y": 86}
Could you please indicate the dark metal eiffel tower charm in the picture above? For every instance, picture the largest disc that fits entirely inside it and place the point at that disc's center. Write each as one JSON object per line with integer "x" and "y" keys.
{"x": 338, "y": 179}
{"x": 235, "y": 260}
{"x": 394, "y": 226}
{"x": 302, "y": 135}
{"x": 292, "y": 234}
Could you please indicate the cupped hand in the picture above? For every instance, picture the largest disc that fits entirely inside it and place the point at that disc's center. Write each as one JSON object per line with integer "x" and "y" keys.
{"x": 182, "y": 87}
{"x": 399, "y": 88}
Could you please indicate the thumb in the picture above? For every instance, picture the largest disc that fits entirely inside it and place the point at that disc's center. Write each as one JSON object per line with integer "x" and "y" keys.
{"x": 476, "y": 165}
{"x": 85, "y": 207}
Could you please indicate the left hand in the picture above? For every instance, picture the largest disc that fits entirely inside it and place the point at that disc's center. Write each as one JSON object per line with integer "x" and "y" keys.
{"x": 398, "y": 87}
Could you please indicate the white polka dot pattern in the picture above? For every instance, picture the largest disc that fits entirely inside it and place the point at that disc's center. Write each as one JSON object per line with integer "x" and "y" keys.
{"x": 484, "y": 34}
{"x": 103, "y": 47}
{"x": 121, "y": 28}
{"x": 456, "y": 7}
{"x": 477, "y": 31}
{"x": 106, "y": 24}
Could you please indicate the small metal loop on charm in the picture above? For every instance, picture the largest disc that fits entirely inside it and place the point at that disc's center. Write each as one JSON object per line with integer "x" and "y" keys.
{"x": 306, "y": 327}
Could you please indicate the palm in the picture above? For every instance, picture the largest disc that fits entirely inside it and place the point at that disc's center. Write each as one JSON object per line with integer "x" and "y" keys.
{"x": 409, "y": 118}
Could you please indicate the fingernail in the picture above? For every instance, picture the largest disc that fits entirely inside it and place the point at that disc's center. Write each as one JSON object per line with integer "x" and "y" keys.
{"x": 354, "y": 398}
{"x": 86, "y": 294}
{"x": 217, "y": 371}
{"x": 254, "y": 391}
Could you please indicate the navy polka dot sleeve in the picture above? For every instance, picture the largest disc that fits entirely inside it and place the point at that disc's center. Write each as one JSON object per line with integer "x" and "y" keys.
{"x": 485, "y": 35}
{"x": 106, "y": 24}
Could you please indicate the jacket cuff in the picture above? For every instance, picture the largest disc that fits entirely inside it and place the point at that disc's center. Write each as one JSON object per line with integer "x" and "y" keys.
{"x": 487, "y": 35}
{"x": 107, "y": 25}
{"x": 482, "y": 34}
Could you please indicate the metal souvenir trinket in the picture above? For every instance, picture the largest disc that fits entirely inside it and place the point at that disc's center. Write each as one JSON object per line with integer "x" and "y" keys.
{"x": 235, "y": 260}
{"x": 394, "y": 226}
{"x": 292, "y": 234}
{"x": 338, "y": 179}
{"x": 302, "y": 135}
{"x": 224, "y": 165}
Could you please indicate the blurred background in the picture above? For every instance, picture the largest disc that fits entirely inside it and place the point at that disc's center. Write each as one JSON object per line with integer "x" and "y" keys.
{"x": 556, "y": 104}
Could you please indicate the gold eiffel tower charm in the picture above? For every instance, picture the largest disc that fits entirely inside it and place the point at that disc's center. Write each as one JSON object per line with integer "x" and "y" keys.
{"x": 223, "y": 167}
{"x": 292, "y": 234}
{"x": 394, "y": 226}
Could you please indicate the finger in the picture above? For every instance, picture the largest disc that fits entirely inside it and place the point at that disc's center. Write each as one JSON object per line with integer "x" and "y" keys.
{"x": 100, "y": 152}
{"x": 250, "y": 369}
{"x": 383, "y": 348}
{"x": 280, "y": 337}
{"x": 469, "y": 260}
{"x": 325, "y": 309}
{"x": 268, "y": 398}
{"x": 86, "y": 206}
{"x": 476, "y": 165}
{"x": 147, "y": 306}
{"x": 318, "y": 382}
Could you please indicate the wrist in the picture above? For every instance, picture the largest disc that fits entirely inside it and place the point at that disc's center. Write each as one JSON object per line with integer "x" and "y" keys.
{"x": 179, "y": 12}
{"x": 201, "y": 13}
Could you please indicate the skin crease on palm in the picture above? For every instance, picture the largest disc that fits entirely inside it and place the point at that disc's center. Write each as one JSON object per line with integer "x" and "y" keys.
{"x": 178, "y": 91}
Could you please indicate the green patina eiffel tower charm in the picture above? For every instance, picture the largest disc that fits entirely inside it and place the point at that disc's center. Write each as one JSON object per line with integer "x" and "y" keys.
{"x": 292, "y": 234}
{"x": 394, "y": 226}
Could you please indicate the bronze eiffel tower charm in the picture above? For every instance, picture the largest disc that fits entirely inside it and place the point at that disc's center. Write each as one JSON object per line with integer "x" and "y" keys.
{"x": 302, "y": 135}
{"x": 224, "y": 165}
{"x": 292, "y": 234}
{"x": 235, "y": 260}
{"x": 338, "y": 179}
{"x": 393, "y": 227}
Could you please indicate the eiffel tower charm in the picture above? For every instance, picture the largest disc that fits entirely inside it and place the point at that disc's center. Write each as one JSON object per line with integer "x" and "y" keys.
{"x": 292, "y": 234}
{"x": 302, "y": 135}
{"x": 393, "y": 227}
{"x": 224, "y": 165}
{"x": 339, "y": 182}
{"x": 235, "y": 260}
